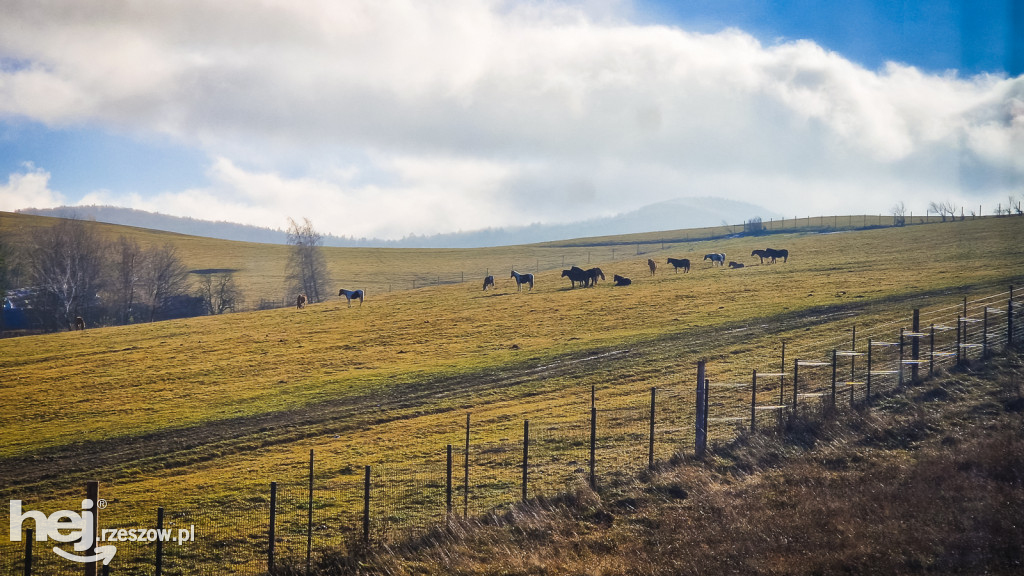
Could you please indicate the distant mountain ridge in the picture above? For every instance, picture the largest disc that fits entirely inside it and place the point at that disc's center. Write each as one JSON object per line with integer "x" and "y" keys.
{"x": 675, "y": 214}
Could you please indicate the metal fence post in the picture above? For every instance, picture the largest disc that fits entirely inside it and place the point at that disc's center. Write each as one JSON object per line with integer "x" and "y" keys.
{"x": 159, "y": 542}
{"x": 701, "y": 431}
{"x": 593, "y": 447}
{"x": 272, "y": 537}
{"x": 465, "y": 482}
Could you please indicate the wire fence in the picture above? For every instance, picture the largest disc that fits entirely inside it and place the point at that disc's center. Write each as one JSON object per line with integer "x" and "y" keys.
{"x": 339, "y": 506}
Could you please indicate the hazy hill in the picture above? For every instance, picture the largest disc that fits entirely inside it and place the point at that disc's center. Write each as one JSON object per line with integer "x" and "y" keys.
{"x": 670, "y": 215}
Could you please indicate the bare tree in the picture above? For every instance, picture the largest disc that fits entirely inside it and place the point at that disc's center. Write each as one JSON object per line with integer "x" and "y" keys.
{"x": 943, "y": 209}
{"x": 65, "y": 265}
{"x": 126, "y": 269}
{"x": 306, "y": 271}
{"x": 220, "y": 292}
{"x": 163, "y": 277}
{"x": 899, "y": 214}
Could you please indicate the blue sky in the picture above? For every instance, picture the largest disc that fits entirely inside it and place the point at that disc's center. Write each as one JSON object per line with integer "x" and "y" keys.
{"x": 389, "y": 118}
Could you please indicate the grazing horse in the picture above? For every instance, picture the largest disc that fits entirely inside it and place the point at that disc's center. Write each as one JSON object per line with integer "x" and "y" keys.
{"x": 762, "y": 254}
{"x": 79, "y": 323}
{"x": 652, "y": 266}
{"x": 678, "y": 263}
{"x": 716, "y": 259}
{"x": 773, "y": 254}
{"x": 576, "y": 274}
{"x": 621, "y": 280}
{"x": 593, "y": 274}
{"x": 300, "y": 301}
{"x": 522, "y": 279}
{"x": 489, "y": 281}
{"x": 350, "y": 294}
{"x": 735, "y": 265}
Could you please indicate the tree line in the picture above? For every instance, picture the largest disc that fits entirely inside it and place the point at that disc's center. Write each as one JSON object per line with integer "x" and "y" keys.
{"x": 69, "y": 271}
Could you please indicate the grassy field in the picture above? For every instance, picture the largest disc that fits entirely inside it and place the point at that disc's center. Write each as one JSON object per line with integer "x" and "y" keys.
{"x": 210, "y": 410}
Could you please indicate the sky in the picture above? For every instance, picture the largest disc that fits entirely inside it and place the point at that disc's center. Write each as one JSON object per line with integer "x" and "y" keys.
{"x": 384, "y": 118}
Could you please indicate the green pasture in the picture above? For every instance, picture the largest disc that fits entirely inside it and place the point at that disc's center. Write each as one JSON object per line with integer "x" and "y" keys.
{"x": 409, "y": 358}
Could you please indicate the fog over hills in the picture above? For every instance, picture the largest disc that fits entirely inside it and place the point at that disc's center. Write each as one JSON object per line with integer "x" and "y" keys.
{"x": 669, "y": 215}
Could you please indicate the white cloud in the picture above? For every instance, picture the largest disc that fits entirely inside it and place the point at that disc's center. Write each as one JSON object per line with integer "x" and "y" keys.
{"x": 29, "y": 189}
{"x": 391, "y": 117}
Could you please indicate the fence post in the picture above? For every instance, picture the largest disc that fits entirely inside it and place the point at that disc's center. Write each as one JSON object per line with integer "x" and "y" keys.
{"x": 853, "y": 359}
{"x": 701, "y": 431}
{"x": 159, "y": 542}
{"x": 796, "y": 378}
{"x": 984, "y": 334}
{"x": 92, "y": 492}
{"x": 753, "y": 403}
{"x": 593, "y": 446}
{"x": 1009, "y": 320}
{"x": 448, "y": 488}
{"x": 834, "y": 354}
{"x": 915, "y": 345}
{"x": 931, "y": 351}
{"x": 526, "y": 454}
{"x": 959, "y": 336}
{"x": 366, "y": 505}
{"x": 272, "y": 542}
{"x": 900, "y": 367}
{"x": 28, "y": 551}
{"x": 309, "y": 517}
{"x": 782, "y": 379}
{"x": 650, "y": 446}
{"x": 465, "y": 484}
{"x": 867, "y": 381}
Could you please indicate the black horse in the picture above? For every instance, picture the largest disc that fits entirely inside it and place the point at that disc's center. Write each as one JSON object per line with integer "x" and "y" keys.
{"x": 773, "y": 254}
{"x": 762, "y": 254}
{"x": 489, "y": 281}
{"x": 678, "y": 263}
{"x": 593, "y": 274}
{"x": 576, "y": 274}
{"x": 621, "y": 280}
{"x": 350, "y": 294}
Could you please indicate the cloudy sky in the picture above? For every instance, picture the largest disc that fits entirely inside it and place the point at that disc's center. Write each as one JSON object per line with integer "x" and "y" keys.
{"x": 382, "y": 118}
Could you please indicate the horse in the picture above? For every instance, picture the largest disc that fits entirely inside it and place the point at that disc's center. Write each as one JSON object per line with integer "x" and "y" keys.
{"x": 522, "y": 279}
{"x": 621, "y": 280}
{"x": 350, "y": 294}
{"x": 300, "y": 301}
{"x": 678, "y": 263}
{"x": 593, "y": 274}
{"x": 652, "y": 266}
{"x": 762, "y": 254}
{"x": 79, "y": 323}
{"x": 576, "y": 274}
{"x": 735, "y": 265}
{"x": 716, "y": 258}
{"x": 773, "y": 254}
{"x": 489, "y": 281}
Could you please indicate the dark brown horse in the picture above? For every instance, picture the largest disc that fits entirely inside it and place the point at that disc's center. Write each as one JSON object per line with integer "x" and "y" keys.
{"x": 678, "y": 263}
{"x": 593, "y": 274}
{"x": 576, "y": 274}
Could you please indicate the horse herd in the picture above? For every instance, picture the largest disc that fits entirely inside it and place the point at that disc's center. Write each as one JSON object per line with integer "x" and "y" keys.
{"x": 588, "y": 278}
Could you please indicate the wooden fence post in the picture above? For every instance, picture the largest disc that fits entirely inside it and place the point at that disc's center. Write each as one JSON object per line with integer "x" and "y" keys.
{"x": 700, "y": 425}
{"x": 309, "y": 517}
{"x": 465, "y": 484}
{"x": 159, "y": 542}
{"x": 753, "y": 403}
{"x": 366, "y": 505}
{"x": 448, "y": 488}
{"x": 650, "y": 446}
{"x": 28, "y": 551}
{"x": 272, "y": 539}
{"x": 92, "y": 492}
{"x": 526, "y": 455}
{"x": 915, "y": 346}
